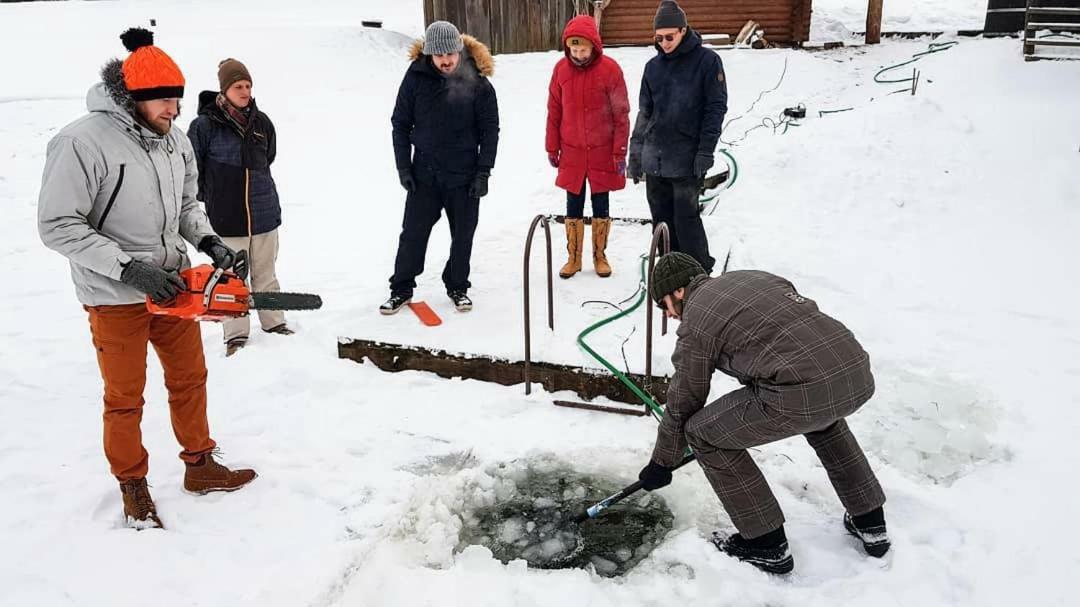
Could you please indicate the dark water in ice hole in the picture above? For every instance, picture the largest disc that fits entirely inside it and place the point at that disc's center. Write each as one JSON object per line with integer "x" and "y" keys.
{"x": 534, "y": 523}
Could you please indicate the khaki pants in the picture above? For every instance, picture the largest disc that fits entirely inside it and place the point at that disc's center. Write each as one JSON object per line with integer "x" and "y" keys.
{"x": 120, "y": 335}
{"x": 262, "y": 257}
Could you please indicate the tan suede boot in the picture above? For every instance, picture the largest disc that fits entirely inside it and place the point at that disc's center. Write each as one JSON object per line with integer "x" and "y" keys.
{"x": 600, "y": 230}
{"x": 575, "y": 243}
{"x": 209, "y": 476}
{"x": 139, "y": 510}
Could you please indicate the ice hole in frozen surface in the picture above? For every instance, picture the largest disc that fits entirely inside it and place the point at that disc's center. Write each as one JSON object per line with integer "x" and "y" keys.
{"x": 534, "y": 521}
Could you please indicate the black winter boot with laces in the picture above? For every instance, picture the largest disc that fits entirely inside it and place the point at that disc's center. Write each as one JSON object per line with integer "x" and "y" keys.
{"x": 768, "y": 552}
{"x": 869, "y": 528}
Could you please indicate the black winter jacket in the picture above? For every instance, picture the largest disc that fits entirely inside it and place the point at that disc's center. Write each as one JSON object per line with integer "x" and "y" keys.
{"x": 680, "y": 110}
{"x": 234, "y": 170}
{"x": 446, "y": 128}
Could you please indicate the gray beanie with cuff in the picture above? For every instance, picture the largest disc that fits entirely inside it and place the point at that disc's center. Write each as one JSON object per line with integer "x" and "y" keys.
{"x": 442, "y": 38}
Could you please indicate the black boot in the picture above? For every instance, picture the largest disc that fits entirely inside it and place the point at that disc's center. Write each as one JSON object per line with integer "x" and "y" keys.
{"x": 870, "y": 529}
{"x": 768, "y": 552}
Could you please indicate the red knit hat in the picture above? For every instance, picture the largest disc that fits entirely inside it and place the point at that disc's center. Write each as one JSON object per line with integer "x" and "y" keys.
{"x": 149, "y": 73}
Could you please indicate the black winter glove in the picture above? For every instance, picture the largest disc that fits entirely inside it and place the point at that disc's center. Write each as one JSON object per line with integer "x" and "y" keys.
{"x": 654, "y": 476}
{"x": 702, "y": 164}
{"x": 407, "y": 180}
{"x": 633, "y": 168}
{"x": 160, "y": 285}
{"x": 223, "y": 256}
{"x": 479, "y": 186}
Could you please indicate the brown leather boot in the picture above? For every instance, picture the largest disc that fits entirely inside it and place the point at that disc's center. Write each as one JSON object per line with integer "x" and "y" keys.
{"x": 139, "y": 510}
{"x": 209, "y": 476}
{"x": 600, "y": 230}
{"x": 575, "y": 242}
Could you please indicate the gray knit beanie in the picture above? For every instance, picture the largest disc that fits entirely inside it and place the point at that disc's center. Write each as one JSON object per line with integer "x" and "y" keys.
{"x": 669, "y": 15}
{"x": 672, "y": 272}
{"x": 442, "y": 38}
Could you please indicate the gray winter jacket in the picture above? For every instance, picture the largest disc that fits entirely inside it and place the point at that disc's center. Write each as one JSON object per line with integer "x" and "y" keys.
{"x": 754, "y": 326}
{"x": 113, "y": 191}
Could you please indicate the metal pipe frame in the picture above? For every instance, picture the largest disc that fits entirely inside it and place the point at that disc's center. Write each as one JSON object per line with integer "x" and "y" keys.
{"x": 538, "y": 220}
{"x": 661, "y": 232}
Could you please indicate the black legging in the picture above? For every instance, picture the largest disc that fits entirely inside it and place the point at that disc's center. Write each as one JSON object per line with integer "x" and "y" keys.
{"x": 575, "y": 204}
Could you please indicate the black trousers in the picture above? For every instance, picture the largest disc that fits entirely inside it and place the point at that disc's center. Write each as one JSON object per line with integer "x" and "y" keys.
{"x": 423, "y": 207}
{"x": 674, "y": 201}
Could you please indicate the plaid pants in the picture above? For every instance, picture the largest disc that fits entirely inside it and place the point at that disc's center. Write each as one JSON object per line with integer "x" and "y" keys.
{"x": 721, "y": 432}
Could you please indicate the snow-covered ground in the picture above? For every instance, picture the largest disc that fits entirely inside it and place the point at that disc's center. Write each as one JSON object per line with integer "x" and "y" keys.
{"x": 941, "y": 228}
{"x": 836, "y": 16}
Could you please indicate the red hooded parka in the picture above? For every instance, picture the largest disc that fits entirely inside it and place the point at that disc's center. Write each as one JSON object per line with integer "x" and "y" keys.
{"x": 588, "y": 122}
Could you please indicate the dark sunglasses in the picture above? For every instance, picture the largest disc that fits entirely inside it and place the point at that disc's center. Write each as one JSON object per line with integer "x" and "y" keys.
{"x": 666, "y": 37}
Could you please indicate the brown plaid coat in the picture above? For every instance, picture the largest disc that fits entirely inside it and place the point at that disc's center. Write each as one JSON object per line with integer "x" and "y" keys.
{"x": 805, "y": 368}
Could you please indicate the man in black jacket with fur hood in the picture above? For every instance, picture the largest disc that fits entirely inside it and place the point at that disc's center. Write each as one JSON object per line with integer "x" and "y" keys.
{"x": 446, "y": 131}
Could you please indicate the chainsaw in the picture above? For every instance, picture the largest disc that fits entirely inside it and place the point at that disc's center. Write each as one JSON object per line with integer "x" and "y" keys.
{"x": 217, "y": 294}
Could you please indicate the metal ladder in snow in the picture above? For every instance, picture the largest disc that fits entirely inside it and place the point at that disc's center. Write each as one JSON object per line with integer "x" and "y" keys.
{"x": 1063, "y": 21}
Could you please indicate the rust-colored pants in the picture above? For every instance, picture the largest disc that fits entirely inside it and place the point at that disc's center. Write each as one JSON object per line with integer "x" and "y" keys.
{"x": 120, "y": 336}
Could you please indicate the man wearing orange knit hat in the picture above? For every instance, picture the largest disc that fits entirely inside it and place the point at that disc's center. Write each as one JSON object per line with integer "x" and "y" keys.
{"x": 118, "y": 200}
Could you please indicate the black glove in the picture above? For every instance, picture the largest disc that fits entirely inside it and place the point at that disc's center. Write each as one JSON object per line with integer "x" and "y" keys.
{"x": 160, "y": 285}
{"x": 223, "y": 256}
{"x": 407, "y": 180}
{"x": 702, "y": 164}
{"x": 479, "y": 188}
{"x": 633, "y": 168}
{"x": 654, "y": 476}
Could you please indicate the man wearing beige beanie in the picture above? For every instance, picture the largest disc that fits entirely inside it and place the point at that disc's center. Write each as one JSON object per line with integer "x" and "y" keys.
{"x": 235, "y": 145}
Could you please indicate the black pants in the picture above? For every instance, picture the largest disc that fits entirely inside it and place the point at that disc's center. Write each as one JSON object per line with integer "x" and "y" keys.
{"x": 423, "y": 207}
{"x": 674, "y": 201}
{"x": 575, "y": 204}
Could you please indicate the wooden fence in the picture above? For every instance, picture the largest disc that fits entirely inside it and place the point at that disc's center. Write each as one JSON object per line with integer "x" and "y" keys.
{"x": 506, "y": 26}
{"x": 784, "y": 21}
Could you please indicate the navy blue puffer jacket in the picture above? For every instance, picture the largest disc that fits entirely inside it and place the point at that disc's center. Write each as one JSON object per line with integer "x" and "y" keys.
{"x": 234, "y": 169}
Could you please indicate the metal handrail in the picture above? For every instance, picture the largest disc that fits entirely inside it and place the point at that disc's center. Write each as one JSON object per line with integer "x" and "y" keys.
{"x": 539, "y": 219}
{"x": 661, "y": 231}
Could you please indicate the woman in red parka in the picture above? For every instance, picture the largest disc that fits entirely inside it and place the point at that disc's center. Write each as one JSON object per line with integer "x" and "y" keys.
{"x": 588, "y": 126}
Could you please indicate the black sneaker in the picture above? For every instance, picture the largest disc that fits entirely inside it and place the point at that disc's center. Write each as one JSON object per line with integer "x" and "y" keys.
{"x": 461, "y": 300}
{"x": 775, "y": 558}
{"x": 392, "y": 305}
{"x": 874, "y": 538}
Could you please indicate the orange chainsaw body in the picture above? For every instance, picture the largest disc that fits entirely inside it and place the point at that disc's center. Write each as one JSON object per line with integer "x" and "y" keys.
{"x": 212, "y": 294}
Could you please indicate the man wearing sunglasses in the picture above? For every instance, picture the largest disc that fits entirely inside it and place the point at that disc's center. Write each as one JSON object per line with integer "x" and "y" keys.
{"x": 681, "y": 109}
{"x": 802, "y": 372}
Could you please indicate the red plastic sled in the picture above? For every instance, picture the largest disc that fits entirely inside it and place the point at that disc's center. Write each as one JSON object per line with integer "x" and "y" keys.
{"x": 425, "y": 313}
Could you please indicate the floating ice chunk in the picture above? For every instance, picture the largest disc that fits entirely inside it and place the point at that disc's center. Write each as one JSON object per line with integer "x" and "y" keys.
{"x": 511, "y": 530}
{"x": 603, "y": 565}
{"x": 544, "y": 502}
{"x": 624, "y": 554}
{"x": 555, "y": 547}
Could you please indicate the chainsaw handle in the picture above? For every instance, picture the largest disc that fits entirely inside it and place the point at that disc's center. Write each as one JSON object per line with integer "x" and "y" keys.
{"x": 240, "y": 264}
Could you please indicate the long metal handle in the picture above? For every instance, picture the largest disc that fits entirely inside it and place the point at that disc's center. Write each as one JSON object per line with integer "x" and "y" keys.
{"x": 595, "y": 510}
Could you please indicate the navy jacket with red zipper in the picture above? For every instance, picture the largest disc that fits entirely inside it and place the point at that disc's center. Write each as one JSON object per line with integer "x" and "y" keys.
{"x": 234, "y": 170}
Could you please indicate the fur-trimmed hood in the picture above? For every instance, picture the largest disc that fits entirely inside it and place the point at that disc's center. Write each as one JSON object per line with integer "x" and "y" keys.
{"x": 112, "y": 75}
{"x": 474, "y": 49}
